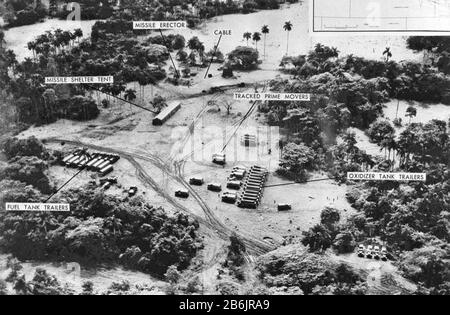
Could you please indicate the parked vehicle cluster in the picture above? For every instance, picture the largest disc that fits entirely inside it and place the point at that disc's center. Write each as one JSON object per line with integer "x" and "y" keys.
{"x": 373, "y": 252}
{"x": 251, "y": 181}
{"x": 253, "y": 187}
{"x": 97, "y": 162}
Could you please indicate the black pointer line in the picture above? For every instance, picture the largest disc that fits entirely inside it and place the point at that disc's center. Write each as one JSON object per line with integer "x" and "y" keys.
{"x": 212, "y": 57}
{"x": 165, "y": 43}
{"x": 65, "y": 184}
{"x": 124, "y": 100}
{"x": 308, "y": 181}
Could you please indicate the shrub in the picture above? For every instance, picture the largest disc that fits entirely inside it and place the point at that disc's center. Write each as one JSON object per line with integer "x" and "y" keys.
{"x": 78, "y": 108}
{"x": 31, "y": 146}
{"x": 344, "y": 243}
{"x": 329, "y": 216}
{"x": 243, "y": 58}
{"x": 29, "y": 170}
{"x": 317, "y": 238}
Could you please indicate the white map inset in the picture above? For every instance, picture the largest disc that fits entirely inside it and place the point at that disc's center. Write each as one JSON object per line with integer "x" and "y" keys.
{"x": 381, "y": 16}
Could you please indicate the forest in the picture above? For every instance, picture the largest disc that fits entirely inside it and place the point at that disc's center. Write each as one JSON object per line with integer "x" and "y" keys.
{"x": 100, "y": 229}
{"x": 26, "y": 12}
{"x": 412, "y": 218}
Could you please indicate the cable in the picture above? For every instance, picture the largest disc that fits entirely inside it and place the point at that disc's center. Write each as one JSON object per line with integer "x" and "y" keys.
{"x": 212, "y": 57}
{"x": 124, "y": 100}
{"x": 295, "y": 183}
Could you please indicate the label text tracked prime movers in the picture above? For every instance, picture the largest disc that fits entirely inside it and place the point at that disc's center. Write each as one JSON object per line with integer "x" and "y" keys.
{"x": 80, "y": 80}
{"x": 159, "y": 25}
{"x": 284, "y": 97}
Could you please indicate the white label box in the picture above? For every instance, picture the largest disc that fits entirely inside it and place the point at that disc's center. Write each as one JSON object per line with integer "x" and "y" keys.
{"x": 392, "y": 17}
{"x": 379, "y": 176}
{"x": 159, "y": 25}
{"x": 37, "y": 207}
{"x": 283, "y": 97}
{"x": 80, "y": 80}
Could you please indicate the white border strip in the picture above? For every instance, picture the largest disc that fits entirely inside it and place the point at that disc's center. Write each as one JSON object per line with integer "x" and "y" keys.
{"x": 366, "y": 33}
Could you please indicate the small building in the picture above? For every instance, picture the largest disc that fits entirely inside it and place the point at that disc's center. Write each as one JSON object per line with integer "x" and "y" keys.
{"x": 166, "y": 113}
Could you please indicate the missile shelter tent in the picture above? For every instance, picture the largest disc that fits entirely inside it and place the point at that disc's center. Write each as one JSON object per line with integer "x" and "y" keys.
{"x": 166, "y": 113}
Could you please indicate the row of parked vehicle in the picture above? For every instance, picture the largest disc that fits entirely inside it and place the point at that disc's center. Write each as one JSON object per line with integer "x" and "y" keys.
{"x": 253, "y": 187}
{"x": 234, "y": 182}
{"x": 227, "y": 196}
{"x": 373, "y": 252}
{"x": 98, "y": 162}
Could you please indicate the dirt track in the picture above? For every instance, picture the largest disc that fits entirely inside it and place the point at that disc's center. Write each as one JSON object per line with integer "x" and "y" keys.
{"x": 253, "y": 245}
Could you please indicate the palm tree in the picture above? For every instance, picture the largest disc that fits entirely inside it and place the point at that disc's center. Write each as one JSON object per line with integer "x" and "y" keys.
{"x": 411, "y": 111}
{"x": 12, "y": 61}
{"x": 247, "y": 36}
{"x": 256, "y": 38}
{"x": 78, "y": 33}
{"x": 2, "y": 38}
{"x": 392, "y": 146}
{"x": 32, "y": 46}
{"x": 196, "y": 45}
{"x": 49, "y": 98}
{"x": 265, "y": 30}
{"x": 288, "y": 28}
{"x": 387, "y": 53}
{"x": 114, "y": 224}
{"x": 130, "y": 95}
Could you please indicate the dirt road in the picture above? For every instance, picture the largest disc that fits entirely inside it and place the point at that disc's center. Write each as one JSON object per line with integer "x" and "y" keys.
{"x": 253, "y": 245}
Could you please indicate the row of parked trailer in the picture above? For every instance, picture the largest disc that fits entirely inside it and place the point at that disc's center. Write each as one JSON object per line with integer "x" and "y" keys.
{"x": 98, "y": 162}
{"x": 253, "y": 188}
{"x": 373, "y": 251}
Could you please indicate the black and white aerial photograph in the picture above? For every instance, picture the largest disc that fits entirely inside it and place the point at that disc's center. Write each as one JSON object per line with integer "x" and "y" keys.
{"x": 224, "y": 153}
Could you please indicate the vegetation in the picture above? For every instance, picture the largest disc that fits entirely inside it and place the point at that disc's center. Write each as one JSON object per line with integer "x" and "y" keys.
{"x": 309, "y": 273}
{"x": 23, "y": 12}
{"x": 14, "y": 147}
{"x": 296, "y": 159}
{"x": 288, "y": 28}
{"x": 243, "y": 58}
{"x": 102, "y": 229}
{"x": 411, "y": 218}
{"x": 236, "y": 257}
{"x": 428, "y": 266}
{"x": 99, "y": 229}
{"x": 404, "y": 80}
{"x": 437, "y": 46}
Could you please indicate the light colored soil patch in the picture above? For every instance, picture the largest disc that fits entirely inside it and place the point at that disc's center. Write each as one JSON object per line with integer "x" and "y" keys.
{"x": 101, "y": 277}
{"x": 17, "y": 38}
{"x": 376, "y": 271}
{"x": 425, "y": 112}
{"x": 364, "y": 143}
{"x": 371, "y": 47}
